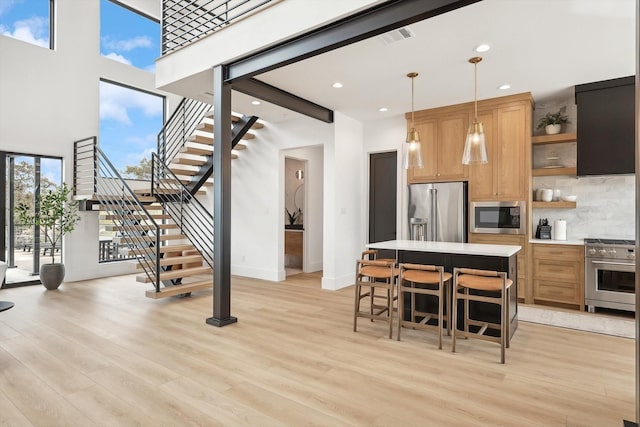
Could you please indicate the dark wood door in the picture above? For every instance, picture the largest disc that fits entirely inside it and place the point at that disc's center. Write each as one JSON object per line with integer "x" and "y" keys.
{"x": 382, "y": 196}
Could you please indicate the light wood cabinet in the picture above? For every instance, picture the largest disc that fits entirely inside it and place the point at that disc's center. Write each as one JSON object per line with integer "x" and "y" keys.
{"x": 505, "y": 177}
{"x": 558, "y": 274}
{"x": 293, "y": 242}
{"x": 442, "y": 135}
{"x": 524, "y": 292}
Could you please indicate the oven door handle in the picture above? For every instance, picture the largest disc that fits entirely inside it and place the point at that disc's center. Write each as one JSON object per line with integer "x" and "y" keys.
{"x": 630, "y": 264}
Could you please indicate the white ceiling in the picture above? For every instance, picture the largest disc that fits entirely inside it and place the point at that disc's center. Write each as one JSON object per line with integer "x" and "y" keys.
{"x": 542, "y": 46}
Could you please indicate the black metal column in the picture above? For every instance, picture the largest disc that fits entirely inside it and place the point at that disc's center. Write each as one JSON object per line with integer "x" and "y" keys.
{"x": 221, "y": 199}
{"x": 36, "y": 228}
{"x": 9, "y": 219}
{"x": 3, "y": 211}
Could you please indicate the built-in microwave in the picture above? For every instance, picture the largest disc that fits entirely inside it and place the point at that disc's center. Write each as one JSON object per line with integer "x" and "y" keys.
{"x": 498, "y": 217}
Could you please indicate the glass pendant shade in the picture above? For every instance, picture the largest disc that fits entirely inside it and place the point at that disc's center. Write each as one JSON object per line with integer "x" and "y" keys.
{"x": 475, "y": 147}
{"x": 412, "y": 153}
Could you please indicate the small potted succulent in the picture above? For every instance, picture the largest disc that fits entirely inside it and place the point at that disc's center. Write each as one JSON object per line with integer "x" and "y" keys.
{"x": 552, "y": 122}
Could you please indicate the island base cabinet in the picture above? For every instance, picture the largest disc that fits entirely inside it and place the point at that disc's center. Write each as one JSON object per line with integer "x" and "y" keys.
{"x": 524, "y": 294}
{"x": 558, "y": 274}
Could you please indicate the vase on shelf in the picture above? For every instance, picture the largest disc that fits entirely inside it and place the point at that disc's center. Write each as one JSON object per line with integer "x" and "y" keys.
{"x": 552, "y": 129}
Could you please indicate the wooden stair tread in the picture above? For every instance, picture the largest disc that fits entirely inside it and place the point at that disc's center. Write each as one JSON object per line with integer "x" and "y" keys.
{"x": 137, "y": 216}
{"x": 129, "y": 207}
{"x": 164, "y": 249}
{"x": 141, "y": 227}
{"x": 178, "y": 169}
{"x": 148, "y": 238}
{"x": 234, "y": 118}
{"x": 195, "y": 148}
{"x": 201, "y": 139}
{"x": 179, "y": 289}
{"x": 189, "y": 159}
{"x": 175, "y": 274}
{"x": 178, "y": 260}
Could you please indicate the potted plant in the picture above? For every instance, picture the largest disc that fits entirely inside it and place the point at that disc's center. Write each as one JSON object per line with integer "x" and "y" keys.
{"x": 57, "y": 215}
{"x": 552, "y": 122}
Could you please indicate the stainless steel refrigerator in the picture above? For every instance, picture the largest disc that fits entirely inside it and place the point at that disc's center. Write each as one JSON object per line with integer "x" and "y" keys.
{"x": 442, "y": 207}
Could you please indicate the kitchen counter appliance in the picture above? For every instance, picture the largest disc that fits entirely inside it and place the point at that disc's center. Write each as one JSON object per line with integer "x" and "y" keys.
{"x": 609, "y": 274}
{"x": 442, "y": 208}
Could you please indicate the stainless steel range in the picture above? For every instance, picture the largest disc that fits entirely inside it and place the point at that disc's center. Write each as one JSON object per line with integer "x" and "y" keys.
{"x": 609, "y": 274}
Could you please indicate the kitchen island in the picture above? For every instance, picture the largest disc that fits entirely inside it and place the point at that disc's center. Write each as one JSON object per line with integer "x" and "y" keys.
{"x": 468, "y": 255}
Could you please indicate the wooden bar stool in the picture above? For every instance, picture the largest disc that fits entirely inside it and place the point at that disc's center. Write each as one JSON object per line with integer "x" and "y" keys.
{"x": 371, "y": 275}
{"x": 486, "y": 284}
{"x": 424, "y": 280}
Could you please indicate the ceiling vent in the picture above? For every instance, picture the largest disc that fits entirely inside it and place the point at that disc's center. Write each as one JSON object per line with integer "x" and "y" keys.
{"x": 396, "y": 35}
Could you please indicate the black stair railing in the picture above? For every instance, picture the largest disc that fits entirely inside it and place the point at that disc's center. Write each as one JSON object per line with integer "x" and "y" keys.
{"x": 180, "y": 127}
{"x": 94, "y": 172}
{"x": 186, "y": 21}
{"x": 194, "y": 220}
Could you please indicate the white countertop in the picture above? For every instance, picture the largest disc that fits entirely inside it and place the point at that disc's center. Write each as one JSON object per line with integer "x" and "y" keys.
{"x": 447, "y": 247}
{"x": 558, "y": 242}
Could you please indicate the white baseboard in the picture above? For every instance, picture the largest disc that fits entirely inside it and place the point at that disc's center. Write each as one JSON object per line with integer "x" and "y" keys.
{"x": 335, "y": 283}
{"x": 258, "y": 273}
{"x": 313, "y": 267}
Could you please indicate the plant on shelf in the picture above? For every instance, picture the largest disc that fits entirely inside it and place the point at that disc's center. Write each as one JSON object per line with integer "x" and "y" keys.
{"x": 56, "y": 214}
{"x": 293, "y": 216}
{"x": 552, "y": 122}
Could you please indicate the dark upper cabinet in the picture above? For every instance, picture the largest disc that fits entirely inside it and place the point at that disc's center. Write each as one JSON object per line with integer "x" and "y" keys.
{"x": 606, "y": 127}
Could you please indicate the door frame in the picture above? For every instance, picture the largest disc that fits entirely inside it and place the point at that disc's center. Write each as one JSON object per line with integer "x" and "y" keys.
{"x": 4, "y": 218}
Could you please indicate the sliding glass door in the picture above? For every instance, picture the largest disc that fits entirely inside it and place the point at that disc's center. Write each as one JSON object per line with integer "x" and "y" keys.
{"x": 23, "y": 177}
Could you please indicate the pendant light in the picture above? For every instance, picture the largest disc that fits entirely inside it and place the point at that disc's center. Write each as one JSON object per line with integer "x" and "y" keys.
{"x": 412, "y": 152}
{"x": 475, "y": 148}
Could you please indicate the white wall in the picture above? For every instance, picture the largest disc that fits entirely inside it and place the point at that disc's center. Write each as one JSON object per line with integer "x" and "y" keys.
{"x": 51, "y": 98}
{"x": 257, "y": 225}
{"x": 382, "y": 136}
{"x": 343, "y": 198}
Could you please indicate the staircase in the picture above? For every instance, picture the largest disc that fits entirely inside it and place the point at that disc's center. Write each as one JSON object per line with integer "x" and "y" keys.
{"x": 163, "y": 227}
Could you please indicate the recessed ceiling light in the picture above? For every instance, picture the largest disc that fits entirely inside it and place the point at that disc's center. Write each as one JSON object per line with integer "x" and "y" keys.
{"x": 383, "y": 109}
{"x": 337, "y": 85}
{"x": 482, "y": 47}
{"x": 504, "y": 86}
{"x": 256, "y": 102}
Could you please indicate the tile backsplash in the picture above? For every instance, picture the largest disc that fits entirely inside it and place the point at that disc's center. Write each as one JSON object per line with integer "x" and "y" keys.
{"x": 605, "y": 205}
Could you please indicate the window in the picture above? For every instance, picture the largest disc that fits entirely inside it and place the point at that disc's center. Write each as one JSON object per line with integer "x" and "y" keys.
{"x": 128, "y": 37}
{"x": 28, "y": 20}
{"x": 130, "y": 120}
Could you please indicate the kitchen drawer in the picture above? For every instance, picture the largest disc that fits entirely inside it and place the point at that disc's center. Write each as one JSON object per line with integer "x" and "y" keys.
{"x": 568, "y": 252}
{"x": 557, "y": 291}
{"x": 557, "y": 270}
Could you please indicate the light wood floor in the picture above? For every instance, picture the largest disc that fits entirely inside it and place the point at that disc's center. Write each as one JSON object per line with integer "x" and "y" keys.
{"x": 100, "y": 353}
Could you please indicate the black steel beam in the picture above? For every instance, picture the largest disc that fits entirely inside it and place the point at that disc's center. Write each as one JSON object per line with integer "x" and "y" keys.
{"x": 221, "y": 201}
{"x": 371, "y": 22}
{"x": 274, "y": 95}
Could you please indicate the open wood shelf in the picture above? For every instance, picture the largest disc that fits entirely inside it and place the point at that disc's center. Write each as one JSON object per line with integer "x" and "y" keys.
{"x": 554, "y": 205}
{"x": 554, "y": 171}
{"x": 554, "y": 139}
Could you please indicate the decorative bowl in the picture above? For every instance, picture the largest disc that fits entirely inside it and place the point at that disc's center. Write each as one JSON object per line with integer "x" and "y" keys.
{"x": 569, "y": 198}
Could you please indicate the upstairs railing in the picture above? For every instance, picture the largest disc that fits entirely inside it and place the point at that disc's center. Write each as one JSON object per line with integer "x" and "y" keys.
{"x": 194, "y": 220}
{"x": 95, "y": 178}
{"x": 185, "y": 21}
{"x": 179, "y": 127}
